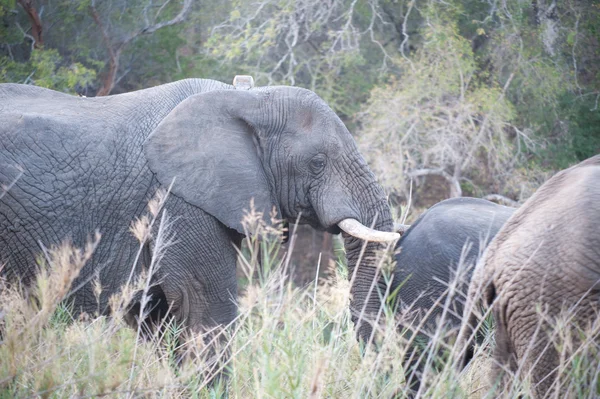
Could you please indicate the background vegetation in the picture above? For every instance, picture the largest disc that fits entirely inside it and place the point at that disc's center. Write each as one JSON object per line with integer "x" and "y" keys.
{"x": 444, "y": 97}
{"x": 475, "y": 97}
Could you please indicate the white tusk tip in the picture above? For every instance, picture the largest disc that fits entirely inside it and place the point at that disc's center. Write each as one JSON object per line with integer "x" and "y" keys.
{"x": 356, "y": 229}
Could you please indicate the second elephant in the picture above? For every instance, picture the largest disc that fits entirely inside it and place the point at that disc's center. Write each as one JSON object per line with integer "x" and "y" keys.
{"x": 450, "y": 234}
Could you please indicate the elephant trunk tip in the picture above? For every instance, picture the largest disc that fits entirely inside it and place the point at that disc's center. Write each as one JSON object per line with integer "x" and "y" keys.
{"x": 401, "y": 228}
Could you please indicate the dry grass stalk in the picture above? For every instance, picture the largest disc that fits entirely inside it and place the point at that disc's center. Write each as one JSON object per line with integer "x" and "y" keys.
{"x": 285, "y": 342}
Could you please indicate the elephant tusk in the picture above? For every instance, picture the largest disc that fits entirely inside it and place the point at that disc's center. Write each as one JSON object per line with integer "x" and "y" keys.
{"x": 358, "y": 230}
{"x": 401, "y": 228}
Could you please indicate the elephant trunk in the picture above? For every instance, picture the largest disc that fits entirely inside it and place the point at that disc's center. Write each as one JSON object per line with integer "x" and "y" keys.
{"x": 364, "y": 270}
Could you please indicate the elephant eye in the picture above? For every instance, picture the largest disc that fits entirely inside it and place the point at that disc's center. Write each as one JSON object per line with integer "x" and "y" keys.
{"x": 317, "y": 163}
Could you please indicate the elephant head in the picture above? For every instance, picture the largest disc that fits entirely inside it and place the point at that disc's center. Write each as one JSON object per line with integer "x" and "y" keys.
{"x": 281, "y": 147}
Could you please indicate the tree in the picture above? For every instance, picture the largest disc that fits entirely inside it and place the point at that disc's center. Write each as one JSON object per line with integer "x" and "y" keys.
{"x": 438, "y": 119}
{"x": 36, "y": 23}
{"x": 105, "y": 38}
{"x": 338, "y": 48}
{"x": 115, "y": 47}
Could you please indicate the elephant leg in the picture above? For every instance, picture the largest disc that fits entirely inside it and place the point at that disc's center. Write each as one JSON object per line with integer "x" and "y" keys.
{"x": 542, "y": 360}
{"x": 417, "y": 354}
{"x": 198, "y": 275}
{"x": 526, "y": 350}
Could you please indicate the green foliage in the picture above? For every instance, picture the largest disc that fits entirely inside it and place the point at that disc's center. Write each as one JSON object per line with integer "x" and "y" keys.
{"x": 440, "y": 115}
{"x": 77, "y": 52}
{"x": 583, "y": 140}
{"x": 527, "y": 75}
{"x": 509, "y": 71}
{"x": 45, "y": 70}
{"x": 62, "y": 316}
{"x": 6, "y": 7}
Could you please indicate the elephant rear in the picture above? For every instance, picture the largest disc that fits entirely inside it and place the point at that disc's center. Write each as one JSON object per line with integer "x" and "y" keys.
{"x": 452, "y": 232}
{"x": 543, "y": 265}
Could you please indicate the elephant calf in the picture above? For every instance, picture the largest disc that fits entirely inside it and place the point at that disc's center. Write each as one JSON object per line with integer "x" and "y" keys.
{"x": 545, "y": 260}
{"x": 452, "y": 232}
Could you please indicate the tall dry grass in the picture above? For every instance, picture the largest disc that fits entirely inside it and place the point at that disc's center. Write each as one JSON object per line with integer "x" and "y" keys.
{"x": 287, "y": 342}
{"x": 574, "y": 340}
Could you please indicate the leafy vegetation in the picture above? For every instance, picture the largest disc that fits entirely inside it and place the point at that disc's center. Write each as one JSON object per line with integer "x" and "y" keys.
{"x": 490, "y": 98}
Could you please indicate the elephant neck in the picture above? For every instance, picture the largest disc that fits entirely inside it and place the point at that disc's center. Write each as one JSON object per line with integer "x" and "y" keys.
{"x": 166, "y": 97}
{"x": 145, "y": 109}
{"x": 185, "y": 88}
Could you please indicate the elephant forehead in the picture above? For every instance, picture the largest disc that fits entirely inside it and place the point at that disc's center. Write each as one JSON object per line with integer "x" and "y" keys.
{"x": 310, "y": 145}
{"x": 303, "y": 107}
{"x": 314, "y": 121}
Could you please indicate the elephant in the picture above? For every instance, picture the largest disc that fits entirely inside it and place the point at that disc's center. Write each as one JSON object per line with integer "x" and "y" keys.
{"x": 76, "y": 164}
{"x": 545, "y": 260}
{"x": 451, "y": 233}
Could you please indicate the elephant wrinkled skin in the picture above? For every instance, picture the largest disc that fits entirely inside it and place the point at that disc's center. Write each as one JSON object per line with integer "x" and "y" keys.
{"x": 545, "y": 260}
{"x": 93, "y": 163}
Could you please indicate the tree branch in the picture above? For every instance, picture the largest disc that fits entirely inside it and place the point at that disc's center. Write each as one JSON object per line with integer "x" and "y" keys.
{"x": 27, "y": 35}
{"x": 113, "y": 56}
{"x": 502, "y": 200}
{"x": 114, "y": 51}
{"x": 36, "y": 23}
{"x": 179, "y": 18}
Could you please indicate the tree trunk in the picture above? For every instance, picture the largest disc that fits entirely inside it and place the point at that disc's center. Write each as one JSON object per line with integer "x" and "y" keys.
{"x": 114, "y": 51}
{"x": 108, "y": 82}
{"x": 36, "y": 23}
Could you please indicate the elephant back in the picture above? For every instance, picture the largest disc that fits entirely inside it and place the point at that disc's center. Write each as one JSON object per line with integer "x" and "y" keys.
{"x": 452, "y": 232}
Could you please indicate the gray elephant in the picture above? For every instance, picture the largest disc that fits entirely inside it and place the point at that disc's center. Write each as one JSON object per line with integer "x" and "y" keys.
{"x": 93, "y": 163}
{"x": 544, "y": 260}
{"x": 451, "y": 233}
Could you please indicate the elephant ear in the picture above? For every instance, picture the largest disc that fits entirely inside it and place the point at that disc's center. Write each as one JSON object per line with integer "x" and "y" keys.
{"x": 208, "y": 149}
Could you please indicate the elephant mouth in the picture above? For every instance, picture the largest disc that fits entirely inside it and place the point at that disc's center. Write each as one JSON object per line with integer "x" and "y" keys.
{"x": 335, "y": 229}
